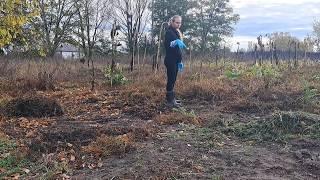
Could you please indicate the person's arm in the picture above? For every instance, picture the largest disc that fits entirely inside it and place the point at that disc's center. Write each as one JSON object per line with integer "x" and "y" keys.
{"x": 174, "y": 51}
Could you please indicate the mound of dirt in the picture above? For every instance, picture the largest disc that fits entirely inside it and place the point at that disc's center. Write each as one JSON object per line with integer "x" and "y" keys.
{"x": 32, "y": 107}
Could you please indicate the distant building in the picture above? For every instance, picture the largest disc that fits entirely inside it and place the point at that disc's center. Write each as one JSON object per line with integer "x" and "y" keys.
{"x": 69, "y": 51}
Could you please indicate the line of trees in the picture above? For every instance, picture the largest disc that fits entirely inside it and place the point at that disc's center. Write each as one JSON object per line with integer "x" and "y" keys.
{"x": 41, "y": 26}
{"x": 279, "y": 46}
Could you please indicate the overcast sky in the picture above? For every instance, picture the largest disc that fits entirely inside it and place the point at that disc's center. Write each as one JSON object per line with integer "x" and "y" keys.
{"x": 267, "y": 16}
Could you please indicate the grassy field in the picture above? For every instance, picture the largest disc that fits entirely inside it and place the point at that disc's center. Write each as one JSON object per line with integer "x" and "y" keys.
{"x": 239, "y": 121}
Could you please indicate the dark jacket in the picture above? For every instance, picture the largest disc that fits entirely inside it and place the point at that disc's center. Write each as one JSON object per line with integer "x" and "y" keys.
{"x": 173, "y": 54}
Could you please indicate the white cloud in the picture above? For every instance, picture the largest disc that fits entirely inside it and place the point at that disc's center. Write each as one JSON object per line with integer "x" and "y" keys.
{"x": 267, "y": 16}
{"x": 238, "y": 4}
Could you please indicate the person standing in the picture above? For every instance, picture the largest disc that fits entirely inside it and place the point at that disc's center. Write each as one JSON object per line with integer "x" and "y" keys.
{"x": 173, "y": 60}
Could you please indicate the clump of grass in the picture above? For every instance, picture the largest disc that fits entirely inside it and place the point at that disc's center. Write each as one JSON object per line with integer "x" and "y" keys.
{"x": 309, "y": 93}
{"x": 57, "y": 171}
{"x": 11, "y": 160}
{"x": 109, "y": 145}
{"x": 180, "y": 115}
{"x": 280, "y": 127}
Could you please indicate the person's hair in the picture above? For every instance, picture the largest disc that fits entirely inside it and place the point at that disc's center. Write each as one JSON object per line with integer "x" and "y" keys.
{"x": 171, "y": 21}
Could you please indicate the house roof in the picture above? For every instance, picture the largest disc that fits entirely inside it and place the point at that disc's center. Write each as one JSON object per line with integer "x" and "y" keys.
{"x": 66, "y": 47}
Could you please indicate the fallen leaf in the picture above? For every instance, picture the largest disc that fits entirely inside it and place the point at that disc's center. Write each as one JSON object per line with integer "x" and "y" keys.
{"x": 220, "y": 144}
{"x": 205, "y": 157}
{"x": 30, "y": 134}
{"x": 62, "y": 156}
{"x": 15, "y": 176}
{"x": 72, "y": 158}
{"x": 2, "y": 170}
{"x": 91, "y": 166}
{"x": 27, "y": 171}
{"x": 99, "y": 165}
{"x": 199, "y": 168}
{"x": 64, "y": 176}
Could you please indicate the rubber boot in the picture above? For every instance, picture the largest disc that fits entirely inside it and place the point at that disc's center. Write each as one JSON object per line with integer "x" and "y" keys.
{"x": 171, "y": 101}
{"x": 175, "y": 99}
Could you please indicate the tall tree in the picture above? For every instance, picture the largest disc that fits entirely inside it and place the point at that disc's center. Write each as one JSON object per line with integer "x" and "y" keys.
{"x": 14, "y": 15}
{"x": 283, "y": 40}
{"x": 316, "y": 33}
{"x": 162, "y": 10}
{"x": 213, "y": 21}
{"x": 56, "y": 23}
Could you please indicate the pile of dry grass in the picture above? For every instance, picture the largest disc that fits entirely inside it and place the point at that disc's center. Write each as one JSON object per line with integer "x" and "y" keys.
{"x": 109, "y": 145}
{"x": 177, "y": 117}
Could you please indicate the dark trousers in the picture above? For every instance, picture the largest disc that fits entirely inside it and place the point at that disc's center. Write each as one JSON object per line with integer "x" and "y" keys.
{"x": 172, "y": 72}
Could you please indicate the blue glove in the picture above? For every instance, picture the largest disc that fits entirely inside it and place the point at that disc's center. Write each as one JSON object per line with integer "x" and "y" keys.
{"x": 180, "y": 67}
{"x": 178, "y": 43}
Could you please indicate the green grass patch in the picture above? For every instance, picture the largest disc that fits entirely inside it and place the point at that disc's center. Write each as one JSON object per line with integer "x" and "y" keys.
{"x": 6, "y": 145}
{"x": 10, "y": 162}
{"x": 280, "y": 127}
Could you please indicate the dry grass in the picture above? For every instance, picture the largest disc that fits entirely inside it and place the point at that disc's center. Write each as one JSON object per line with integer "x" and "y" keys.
{"x": 108, "y": 145}
{"x": 3, "y": 137}
{"x": 19, "y": 76}
{"x": 247, "y": 93}
{"x": 143, "y": 98}
{"x": 146, "y": 90}
{"x": 136, "y": 133}
{"x": 177, "y": 118}
{"x": 250, "y": 93}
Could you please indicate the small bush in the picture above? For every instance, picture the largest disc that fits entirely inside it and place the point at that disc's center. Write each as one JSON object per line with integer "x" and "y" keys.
{"x": 309, "y": 93}
{"x": 116, "y": 77}
{"x": 232, "y": 74}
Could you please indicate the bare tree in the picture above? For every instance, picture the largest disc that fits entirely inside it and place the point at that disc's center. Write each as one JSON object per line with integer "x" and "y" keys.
{"x": 316, "y": 33}
{"x": 56, "y": 22}
{"x": 132, "y": 16}
{"x": 92, "y": 19}
{"x": 261, "y": 45}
